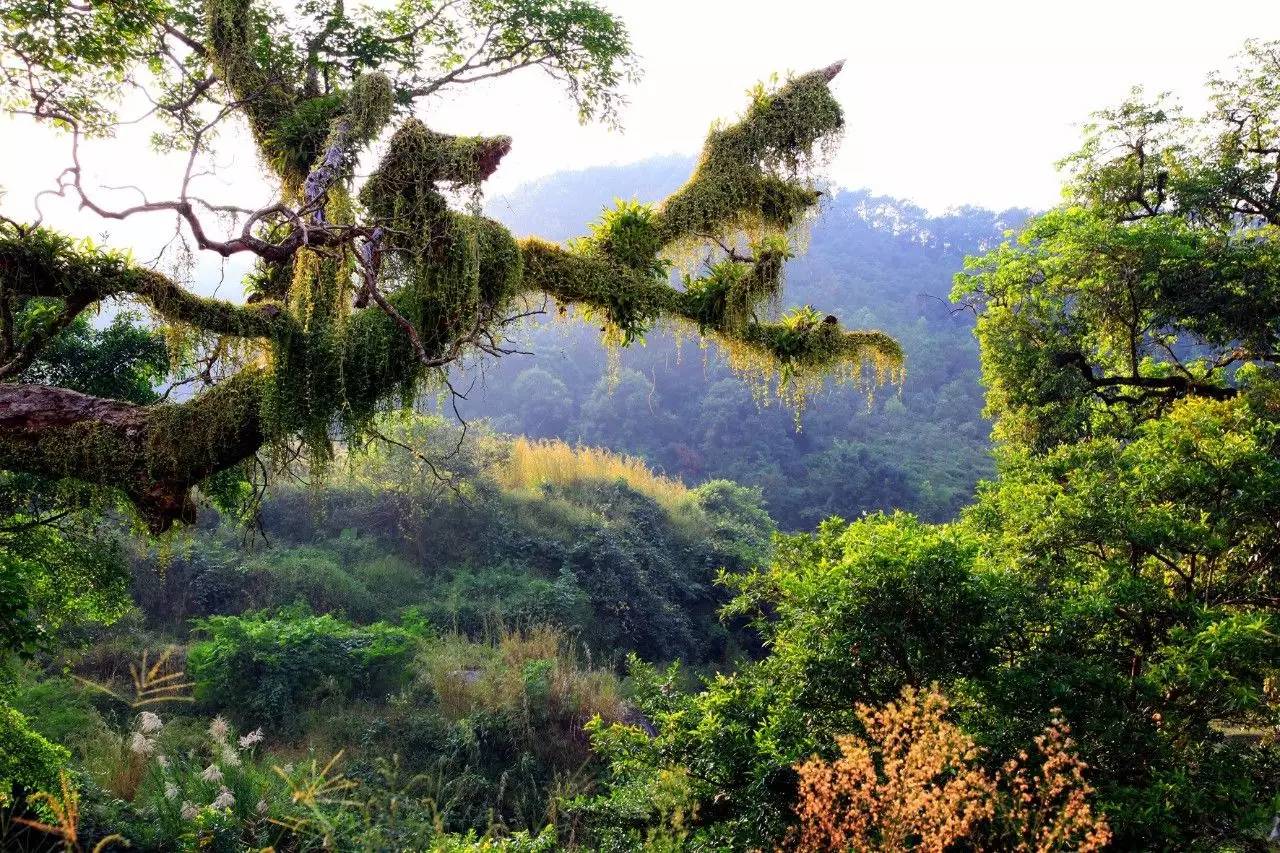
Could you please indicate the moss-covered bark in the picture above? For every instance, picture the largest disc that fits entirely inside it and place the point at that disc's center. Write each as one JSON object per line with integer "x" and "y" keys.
{"x": 153, "y": 454}
{"x": 45, "y": 264}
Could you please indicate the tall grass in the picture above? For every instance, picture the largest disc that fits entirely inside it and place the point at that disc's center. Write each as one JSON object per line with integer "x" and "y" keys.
{"x": 534, "y": 463}
{"x": 517, "y": 668}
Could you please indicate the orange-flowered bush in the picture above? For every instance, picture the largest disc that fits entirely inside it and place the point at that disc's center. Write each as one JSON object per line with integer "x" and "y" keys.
{"x": 916, "y": 783}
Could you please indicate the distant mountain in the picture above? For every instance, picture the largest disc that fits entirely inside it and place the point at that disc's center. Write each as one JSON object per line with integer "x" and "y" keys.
{"x": 874, "y": 261}
{"x": 559, "y": 206}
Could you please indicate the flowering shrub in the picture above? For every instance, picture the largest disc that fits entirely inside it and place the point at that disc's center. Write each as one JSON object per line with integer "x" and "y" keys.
{"x": 916, "y": 783}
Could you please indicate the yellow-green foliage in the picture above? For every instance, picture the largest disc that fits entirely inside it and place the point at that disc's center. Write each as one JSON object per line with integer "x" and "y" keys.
{"x": 729, "y": 296}
{"x": 369, "y": 106}
{"x": 750, "y": 175}
{"x": 27, "y": 759}
{"x": 501, "y": 674}
{"x": 422, "y": 158}
{"x": 451, "y": 271}
{"x": 627, "y": 234}
{"x": 533, "y": 464}
{"x": 44, "y": 263}
{"x": 750, "y": 191}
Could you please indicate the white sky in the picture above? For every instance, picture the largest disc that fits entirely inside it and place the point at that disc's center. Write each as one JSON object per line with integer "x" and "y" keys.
{"x": 947, "y": 103}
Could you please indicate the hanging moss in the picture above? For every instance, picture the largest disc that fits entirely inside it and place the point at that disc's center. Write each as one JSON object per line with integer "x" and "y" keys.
{"x": 293, "y": 127}
{"x": 627, "y": 301}
{"x": 793, "y": 356}
{"x": 369, "y": 106}
{"x": 731, "y": 294}
{"x": 501, "y": 263}
{"x": 796, "y": 357}
{"x": 253, "y": 69}
{"x": 751, "y": 176}
{"x": 328, "y": 369}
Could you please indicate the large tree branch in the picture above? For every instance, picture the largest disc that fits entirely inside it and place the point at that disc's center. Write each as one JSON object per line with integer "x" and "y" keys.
{"x": 802, "y": 345}
{"x": 39, "y": 263}
{"x": 154, "y": 454}
{"x": 450, "y": 278}
{"x": 747, "y": 178}
{"x": 1161, "y": 385}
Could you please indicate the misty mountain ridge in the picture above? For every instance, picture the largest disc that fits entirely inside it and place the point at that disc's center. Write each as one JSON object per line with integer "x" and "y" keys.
{"x": 872, "y": 260}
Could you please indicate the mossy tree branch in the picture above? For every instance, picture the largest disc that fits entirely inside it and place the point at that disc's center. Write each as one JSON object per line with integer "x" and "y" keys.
{"x": 42, "y": 264}
{"x": 153, "y": 454}
{"x": 748, "y": 182}
{"x": 801, "y": 342}
{"x": 440, "y": 281}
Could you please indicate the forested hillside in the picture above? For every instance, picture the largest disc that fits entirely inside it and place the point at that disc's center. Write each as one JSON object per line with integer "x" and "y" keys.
{"x": 261, "y": 591}
{"x": 463, "y": 623}
{"x": 878, "y": 262}
{"x": 488, "y": 532}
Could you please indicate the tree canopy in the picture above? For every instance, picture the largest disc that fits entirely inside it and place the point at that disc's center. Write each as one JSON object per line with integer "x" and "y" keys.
{"x": 1157, "y": 280}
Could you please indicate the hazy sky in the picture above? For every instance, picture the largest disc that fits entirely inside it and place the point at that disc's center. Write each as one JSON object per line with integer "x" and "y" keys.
{"x": 947, "y": 103}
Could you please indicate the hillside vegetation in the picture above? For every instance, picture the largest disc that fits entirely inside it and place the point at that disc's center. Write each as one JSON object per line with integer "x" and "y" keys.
{"x": 1027, "y": 601}
{"x": 449, "y": 628}
{"x": 881, "y": 261}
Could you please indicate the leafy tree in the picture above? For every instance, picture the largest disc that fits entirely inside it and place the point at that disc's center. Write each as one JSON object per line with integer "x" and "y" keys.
{"x": 1129, "y": 341}
{"x": 123, "y": 360}
{"x": 1158, "y": 279}
{"x": 851, "y": 614}
{"x": 547, "y": 403}
{"x": 1145, "y": 573}
{"x": 56, "y": 578}
{"x": 362, "y": 292}
{"x": 1122, "y": 566}
{"x": 739, "y": 523}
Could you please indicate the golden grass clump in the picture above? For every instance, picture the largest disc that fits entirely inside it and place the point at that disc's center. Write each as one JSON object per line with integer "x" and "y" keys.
{"x": 499, "y": 675}
{"x": 536, "y": 464}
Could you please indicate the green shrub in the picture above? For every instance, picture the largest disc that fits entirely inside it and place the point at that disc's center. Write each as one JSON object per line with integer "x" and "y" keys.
{"x": 28, "y": 760}
{"x": 265, "y": 669}
{"x": 314, "y": 575}
{"x": 507, "y": 593}
{"x": 56, "y": 708}
{"x": 390, "y": 580}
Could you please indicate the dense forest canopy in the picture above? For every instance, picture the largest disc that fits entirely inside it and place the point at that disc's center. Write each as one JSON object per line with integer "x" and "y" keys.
{"x": 438, "y": 635}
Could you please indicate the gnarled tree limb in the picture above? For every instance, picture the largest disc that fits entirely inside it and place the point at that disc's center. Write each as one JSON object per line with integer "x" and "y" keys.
{"x": 154, "y": 454}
